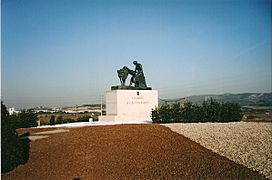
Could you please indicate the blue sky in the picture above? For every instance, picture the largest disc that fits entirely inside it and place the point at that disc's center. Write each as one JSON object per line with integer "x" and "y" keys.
{"x": 66, "y": 52}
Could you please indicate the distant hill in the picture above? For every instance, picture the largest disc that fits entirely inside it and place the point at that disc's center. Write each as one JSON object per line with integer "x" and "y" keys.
{"x": 244, "y": 99}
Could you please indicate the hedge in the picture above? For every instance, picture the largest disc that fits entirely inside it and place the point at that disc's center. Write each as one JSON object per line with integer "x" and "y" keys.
{"x": 209, "y": 111}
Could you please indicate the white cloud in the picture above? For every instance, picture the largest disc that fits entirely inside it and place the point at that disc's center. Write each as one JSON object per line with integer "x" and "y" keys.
{"x": 249, "y": 49}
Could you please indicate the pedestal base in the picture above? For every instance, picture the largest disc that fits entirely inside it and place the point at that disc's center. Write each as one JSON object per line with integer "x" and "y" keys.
{"x": 125, "y": 119}
{"x": 129, "y": 105}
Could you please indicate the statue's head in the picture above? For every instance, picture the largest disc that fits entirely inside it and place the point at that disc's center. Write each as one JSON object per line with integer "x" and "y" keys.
{"x": 135, "y": 62}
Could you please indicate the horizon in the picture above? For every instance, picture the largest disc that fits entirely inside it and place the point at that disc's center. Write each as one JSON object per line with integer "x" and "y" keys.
{"x": 65, "y": 53}
{"x": 159, "y": 99}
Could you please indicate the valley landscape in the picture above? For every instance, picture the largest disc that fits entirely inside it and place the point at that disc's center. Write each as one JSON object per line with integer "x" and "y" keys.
{"x": 150, "y": 89}
{"x": 256, "y": 107}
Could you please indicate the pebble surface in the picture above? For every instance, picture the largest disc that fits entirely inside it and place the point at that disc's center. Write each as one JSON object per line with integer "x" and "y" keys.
{"x": 142, "y": 151}
{"x": 246, "y": 143}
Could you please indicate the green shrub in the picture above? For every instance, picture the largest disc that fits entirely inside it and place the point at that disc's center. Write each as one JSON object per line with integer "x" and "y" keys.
{"x": 52, "y": 120}
{"x": 14, "y": 151}
{"x": 83, "y": 119}
{"x": 209, "y": 111}
{"x": 68, "y": 120}
{"x": 59, "y": 120}
{"x": 27, "y": 119}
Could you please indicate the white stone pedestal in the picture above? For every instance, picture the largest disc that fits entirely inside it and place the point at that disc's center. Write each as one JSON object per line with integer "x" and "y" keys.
{"x": 129, "y": 105}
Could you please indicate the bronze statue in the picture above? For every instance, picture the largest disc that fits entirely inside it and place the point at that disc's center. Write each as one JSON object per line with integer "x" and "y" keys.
{"x": 122, "y": 74}
{"x": 137, "y": 78}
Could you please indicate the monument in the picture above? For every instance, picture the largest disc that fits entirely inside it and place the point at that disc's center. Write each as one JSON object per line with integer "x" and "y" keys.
{"x": 133, "y": 102}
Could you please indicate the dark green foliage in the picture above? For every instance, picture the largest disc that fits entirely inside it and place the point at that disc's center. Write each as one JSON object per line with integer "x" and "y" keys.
{"x": 52, "y": 120}
{"x": 83, "y": 119}
{"x": 8, "y": 125}
{"x": 27, "y": 119}
{"x": 68, "y": 120}
{"x": 14, "y": 151}
{"x": 209, "y": 111}
{"x": 59, "y": 120}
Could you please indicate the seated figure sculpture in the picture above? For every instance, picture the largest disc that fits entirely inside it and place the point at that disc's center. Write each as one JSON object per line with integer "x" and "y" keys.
{"x": 138, "y": 77}
{"x": 137, "y": 80}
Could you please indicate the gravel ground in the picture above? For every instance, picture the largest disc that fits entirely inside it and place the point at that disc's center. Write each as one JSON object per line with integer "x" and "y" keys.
{"x": 247, "y": 143}
{"x": 148, "y": 151}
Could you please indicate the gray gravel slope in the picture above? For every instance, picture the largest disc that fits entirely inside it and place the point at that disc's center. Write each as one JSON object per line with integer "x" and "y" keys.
{"x": 246, "y": 143}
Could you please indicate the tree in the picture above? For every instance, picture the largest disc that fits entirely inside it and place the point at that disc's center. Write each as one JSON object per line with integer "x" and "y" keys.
{"x": 52, "y": 120}
{"x": 83, "y": 119}
{"x": 7, "y": 127}
{"x": 187, "y": 111}
{"x": 59, "y": 120}
{"x": 27, "y": 119}
{"x": 176, "y": 112}
{"x": 14, "y": 151}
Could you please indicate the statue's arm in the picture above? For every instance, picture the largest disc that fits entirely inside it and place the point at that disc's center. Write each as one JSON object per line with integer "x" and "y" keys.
{"x": 131, "y": 72}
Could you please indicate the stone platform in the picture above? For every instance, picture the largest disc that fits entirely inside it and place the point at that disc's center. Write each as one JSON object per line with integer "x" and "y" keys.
{"x": 129, "y": 105}
{"x": 129, "y": 88}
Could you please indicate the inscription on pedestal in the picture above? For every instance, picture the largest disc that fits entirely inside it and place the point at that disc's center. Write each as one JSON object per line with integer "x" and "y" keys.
{"x": 126, "y": 104}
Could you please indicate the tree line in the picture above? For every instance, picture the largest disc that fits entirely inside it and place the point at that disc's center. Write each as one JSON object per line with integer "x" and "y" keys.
{"x": 208, "y": 111}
